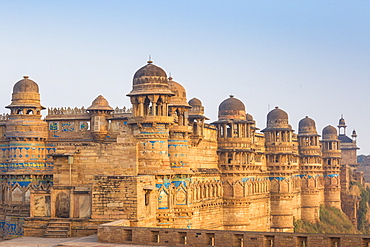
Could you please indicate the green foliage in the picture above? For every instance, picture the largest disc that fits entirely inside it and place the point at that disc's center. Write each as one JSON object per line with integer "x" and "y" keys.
{"x": 332, "y": 220}
{"x": 362, "y": 223}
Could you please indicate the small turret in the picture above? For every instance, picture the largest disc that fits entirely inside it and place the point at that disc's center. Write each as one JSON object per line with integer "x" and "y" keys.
{"x": 99, "y": 111}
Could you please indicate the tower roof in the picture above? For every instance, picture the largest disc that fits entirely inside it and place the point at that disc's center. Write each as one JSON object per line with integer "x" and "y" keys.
{"x": 195, "y": 102}
{"x": 180, "y": 93}
{"x": 150, "y": 79}
{"x": 26, "y": 85}
{"x": 329, "y": 133}
{"x": 307, "y": 126}
{"x": 231, "y": 108}
{"x": 25, "y": 94}
{"x": 277, "y": 119}
{"x": 100, "y": 103}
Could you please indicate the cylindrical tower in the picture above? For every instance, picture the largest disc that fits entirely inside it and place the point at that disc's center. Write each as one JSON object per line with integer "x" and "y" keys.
{"x": 331, "y": 164}
{"x": 178, "y": 143}
{"x": 99, "y": 111}
{"x": 25, "y": 130}
{"x": 25, "y": 159}
{"x": 311, "y": 169}
{"x": 235, "y": 137}
{"x": 282, "y": 164}
{"x": 150, "y": 97}
{"x": 243, "y": 181}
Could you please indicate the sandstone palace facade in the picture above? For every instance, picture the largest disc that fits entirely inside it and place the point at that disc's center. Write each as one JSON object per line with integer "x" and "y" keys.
{"x": 159, "y": 164}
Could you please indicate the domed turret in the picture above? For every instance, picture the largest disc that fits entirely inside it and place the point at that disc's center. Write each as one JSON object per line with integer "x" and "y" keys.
{"x": 329, "y": 133}
{"x": 195, "y": 102}
{"x": 307, "y": 126}
{"x": 278, "y": 119}
{"x": 100, "y": 104}
{"x": 342, "y": 126}
{"x": 150, "y": 79}
{"x": 26, "y": 86}
{"x": 231, "y": 108}
{"x": 26, "y": 95}
{"x": 196, "y": 107}
{"x": 180, "y": 94}
{"x": 25, "y": 112}
{"x": 99, "y": 111}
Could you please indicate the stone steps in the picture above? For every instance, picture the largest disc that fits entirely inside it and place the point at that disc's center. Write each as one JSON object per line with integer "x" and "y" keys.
{"x": 58, "y": 229}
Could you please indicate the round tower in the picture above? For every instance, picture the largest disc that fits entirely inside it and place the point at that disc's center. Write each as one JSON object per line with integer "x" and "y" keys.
{"x": 150, "y": 98}
{"x": 242, "y": 178}
{"x": 282, "y": 164}
{"x": 99, "y": 111}
{"x": 196, "y": 120}
{"x": 25, "y": 161}
{"x": 331, "y": 165}
{"x": 311, "y": 169}
{"x": 235, "y": 137}
{"x": 25, "y": 130}
{"x": 178, "y": 143}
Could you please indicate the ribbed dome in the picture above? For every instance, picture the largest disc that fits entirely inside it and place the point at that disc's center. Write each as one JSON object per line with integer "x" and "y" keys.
{"x": 278, "y": 119}
{"x": 195, "y": 102}
{"x": 150, "y": 79}
{"x": 100, "y": 103}
{"x": 179, "y": 98}
{"x": 329, "y": 133}
{"x": 26, "y": 86}
{"x": 231, "y": 108}
{"x": 307, "y": 126}
{"x": 150, "y": 70}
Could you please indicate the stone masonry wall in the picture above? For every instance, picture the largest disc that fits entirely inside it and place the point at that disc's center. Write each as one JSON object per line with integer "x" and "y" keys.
{"x": 200, "y": 238}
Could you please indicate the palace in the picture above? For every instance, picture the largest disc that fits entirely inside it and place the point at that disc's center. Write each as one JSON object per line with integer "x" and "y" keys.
{"x": 159, "y": 164}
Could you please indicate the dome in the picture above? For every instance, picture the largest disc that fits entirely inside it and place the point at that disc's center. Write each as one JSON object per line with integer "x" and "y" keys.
{"x": 150, "y": 70}
{"x": 231, "y": 108}
{"x": 307, "y": 126}
{"x": 329, "y": 133}
{"x": 249, "y": 117}
{"x": 179, "y": 98}
{"x": 196, "y": 107}
{"x": 26, "y": 86}
{"x": 278, "y": 119}
{"x": 100, "y": 103}
{"x": 195, "y": 102}
{"x": 25, "y": 94}
{"x": 150, "y": 79}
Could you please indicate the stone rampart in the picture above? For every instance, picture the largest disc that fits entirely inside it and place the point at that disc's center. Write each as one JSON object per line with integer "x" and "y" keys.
{"x": 116, "y": 233}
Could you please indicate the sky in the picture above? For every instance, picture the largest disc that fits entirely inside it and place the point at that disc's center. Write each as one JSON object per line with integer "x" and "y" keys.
{"x": 310, "y": 58}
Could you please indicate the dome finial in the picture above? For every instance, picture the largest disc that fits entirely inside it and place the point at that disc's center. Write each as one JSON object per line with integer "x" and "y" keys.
{"x": 231, "y": 95}
{"x": 150, "y": 59}
{"x": 170, "y": 78}
{"x": 25, "y": 76}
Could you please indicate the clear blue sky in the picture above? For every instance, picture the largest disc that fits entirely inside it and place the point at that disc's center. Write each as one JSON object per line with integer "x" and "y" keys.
{"x": 307, "y": 57}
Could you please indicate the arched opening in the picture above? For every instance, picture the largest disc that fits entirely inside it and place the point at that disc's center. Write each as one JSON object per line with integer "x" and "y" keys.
{"x": 62, "y": 205}
{"x": 20, "y": 112}
{"x": 228, "y": 130}
{"x": 29, "y": 112}
{"x": 17, "y": 196}
{"x": 146, "y": 106}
